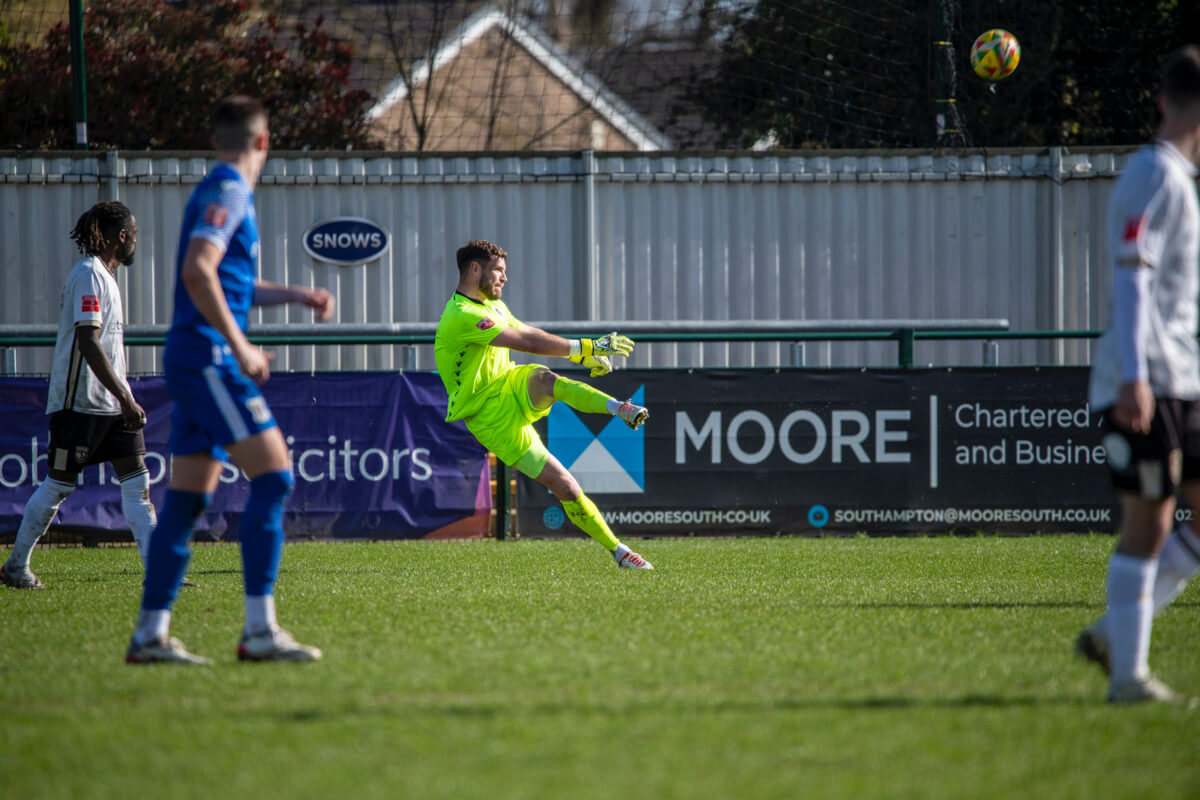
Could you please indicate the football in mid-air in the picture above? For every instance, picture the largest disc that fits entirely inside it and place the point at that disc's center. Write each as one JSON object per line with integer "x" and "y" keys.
{"x": 995, "y": 54}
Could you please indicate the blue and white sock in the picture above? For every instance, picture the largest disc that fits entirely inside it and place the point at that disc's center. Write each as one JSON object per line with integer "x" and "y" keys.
{"x": 167, "y": 560}
{"x": 261, "y": 536}
{"x": 154, "y": 624}
{"x": 260, "y": 613}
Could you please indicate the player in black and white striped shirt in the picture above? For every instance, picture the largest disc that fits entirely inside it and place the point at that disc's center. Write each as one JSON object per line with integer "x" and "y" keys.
{"x": 94, "y": 417}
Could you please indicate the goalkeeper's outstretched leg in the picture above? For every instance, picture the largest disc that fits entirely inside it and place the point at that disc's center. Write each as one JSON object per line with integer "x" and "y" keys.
{"x": 583, "y": 512}
{"x": 545, "y": 387}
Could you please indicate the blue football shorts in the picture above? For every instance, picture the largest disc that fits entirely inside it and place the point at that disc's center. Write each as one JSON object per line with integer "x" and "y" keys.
{"x": 215, "y": 405}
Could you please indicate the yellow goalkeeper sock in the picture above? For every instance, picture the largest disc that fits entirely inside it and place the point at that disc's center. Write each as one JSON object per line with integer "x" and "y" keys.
{"x": 583, "y": 512}
{"x": 580, "y": 396}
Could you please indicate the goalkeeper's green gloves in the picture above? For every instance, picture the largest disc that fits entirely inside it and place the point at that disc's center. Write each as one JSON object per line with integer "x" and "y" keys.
{"x": 599, "y": 365}
{"x": 610, "y": 344}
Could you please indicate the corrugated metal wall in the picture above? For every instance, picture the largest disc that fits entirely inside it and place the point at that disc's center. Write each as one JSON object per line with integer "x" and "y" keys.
{"x": 907, "y": 235}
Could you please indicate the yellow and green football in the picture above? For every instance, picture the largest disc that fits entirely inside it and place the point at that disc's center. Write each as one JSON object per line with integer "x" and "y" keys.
{"x": 995, "y": 54}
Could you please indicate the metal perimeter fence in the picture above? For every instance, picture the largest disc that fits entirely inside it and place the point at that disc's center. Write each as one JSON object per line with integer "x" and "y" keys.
{"x": 904, "y": 332}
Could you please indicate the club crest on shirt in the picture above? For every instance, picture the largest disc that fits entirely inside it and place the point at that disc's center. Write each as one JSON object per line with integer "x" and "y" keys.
{"x": 81, "y": 454}
{"x": 216, "y": 214}
{"x": 89, "y": 302}
{"x": 485, "y": 323}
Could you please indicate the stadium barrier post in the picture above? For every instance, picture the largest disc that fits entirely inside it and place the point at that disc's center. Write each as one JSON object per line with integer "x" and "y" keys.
{"x": 797, "y": 354}
{"x": 907, "y": 338}
{"x": 503, "y": 488}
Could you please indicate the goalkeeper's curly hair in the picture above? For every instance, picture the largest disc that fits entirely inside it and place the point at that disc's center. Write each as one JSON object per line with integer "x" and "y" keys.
{"x": 479, "y": 250}
{"x": 100, "y": 225}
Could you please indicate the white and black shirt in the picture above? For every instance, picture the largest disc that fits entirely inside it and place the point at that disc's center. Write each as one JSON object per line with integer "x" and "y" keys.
{"x": 1154, "y": 223}
{"x": 90, "y": 297}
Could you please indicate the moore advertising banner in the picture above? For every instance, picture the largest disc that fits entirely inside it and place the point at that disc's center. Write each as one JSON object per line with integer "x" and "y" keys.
{"x": 816, "y": 451}
{"x": 371, "y": 452}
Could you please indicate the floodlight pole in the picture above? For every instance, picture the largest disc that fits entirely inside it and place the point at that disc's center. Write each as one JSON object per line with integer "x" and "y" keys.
{"x": 948, "y": 123}
{"x": 78, "y": 82}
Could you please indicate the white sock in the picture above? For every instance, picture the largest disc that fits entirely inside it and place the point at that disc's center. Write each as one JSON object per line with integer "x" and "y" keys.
{"x": 613, "y": 405}
{"x": 39, "y": 512}
{"x": 153, "y": 625}
{"x": 1130, "y": 615}
{"x": 138, "y": 510}
{"x": 260, "y": 613}
{"x": 1178, "y": 563}
{"x": 620, "y": 552}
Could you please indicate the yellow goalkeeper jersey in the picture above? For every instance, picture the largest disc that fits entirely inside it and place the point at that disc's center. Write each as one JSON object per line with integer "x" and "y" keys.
{"x": 469, "y": 367}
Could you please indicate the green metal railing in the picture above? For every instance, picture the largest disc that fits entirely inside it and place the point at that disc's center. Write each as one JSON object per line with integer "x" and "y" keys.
{"x": 905, "y": 333}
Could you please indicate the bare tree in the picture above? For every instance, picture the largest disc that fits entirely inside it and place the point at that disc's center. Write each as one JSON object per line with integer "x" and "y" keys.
{"x": 415, "y": 32}
{"x": 502, "y": 99}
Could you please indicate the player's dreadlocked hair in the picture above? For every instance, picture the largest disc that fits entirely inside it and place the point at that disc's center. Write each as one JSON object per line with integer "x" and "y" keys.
{"x": 100, "y": 225}
{"x": 479, "y": 250}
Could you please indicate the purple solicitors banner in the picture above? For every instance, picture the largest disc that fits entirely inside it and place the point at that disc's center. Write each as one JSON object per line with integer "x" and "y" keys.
{"x": 372, "y": 456}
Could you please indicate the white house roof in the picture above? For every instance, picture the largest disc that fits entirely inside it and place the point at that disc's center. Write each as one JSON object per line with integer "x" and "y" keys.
{"x": 546, "y": 52}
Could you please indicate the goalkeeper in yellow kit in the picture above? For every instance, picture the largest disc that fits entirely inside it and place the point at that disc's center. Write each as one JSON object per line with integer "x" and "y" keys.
{"x": 500, "y": 401}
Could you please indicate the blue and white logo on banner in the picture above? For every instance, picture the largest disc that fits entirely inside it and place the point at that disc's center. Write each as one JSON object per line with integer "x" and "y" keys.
{"x": 610, "y": 462}
{"x": 346, "y": 241}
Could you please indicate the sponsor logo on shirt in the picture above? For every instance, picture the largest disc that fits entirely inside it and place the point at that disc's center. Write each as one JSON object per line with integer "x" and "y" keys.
{"x": 90, "y": 302}
{"x": 1133, "y": 230}
{"x": 484, "y": 324}
{"x": 216, "y": 214}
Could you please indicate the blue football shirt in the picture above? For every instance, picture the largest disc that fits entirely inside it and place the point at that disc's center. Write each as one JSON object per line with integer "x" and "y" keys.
{"x": 221, "y": 210}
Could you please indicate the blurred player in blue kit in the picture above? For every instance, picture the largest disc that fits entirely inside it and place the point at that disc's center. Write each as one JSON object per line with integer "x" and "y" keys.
{"x": 1146, "y": 382}
{"x": 212, "y": 371}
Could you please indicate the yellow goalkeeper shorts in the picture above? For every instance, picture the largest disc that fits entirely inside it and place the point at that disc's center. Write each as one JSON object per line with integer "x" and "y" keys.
{"x": 504, "y": 425}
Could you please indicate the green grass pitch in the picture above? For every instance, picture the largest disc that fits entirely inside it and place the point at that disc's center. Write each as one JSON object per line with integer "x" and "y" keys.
{"x": 740, "y": 668}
